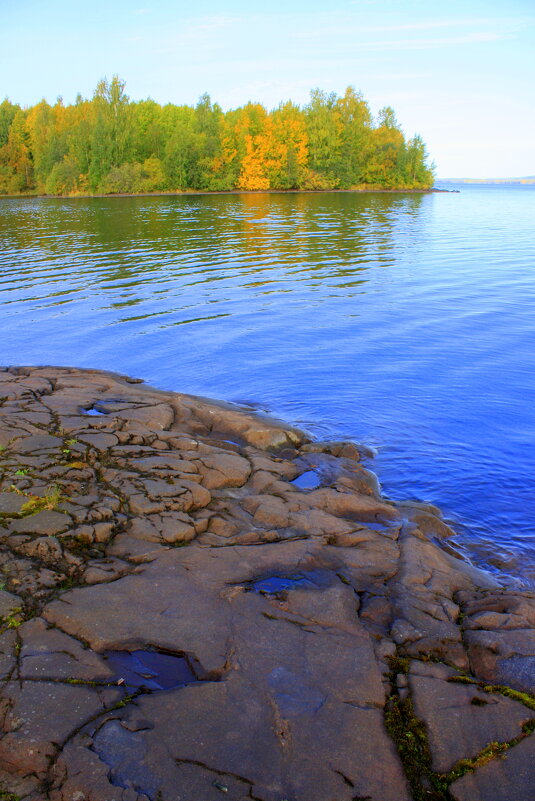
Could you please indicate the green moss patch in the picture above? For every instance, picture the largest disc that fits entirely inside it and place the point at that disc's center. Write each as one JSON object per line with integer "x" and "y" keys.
{"x": 497, "y": 689}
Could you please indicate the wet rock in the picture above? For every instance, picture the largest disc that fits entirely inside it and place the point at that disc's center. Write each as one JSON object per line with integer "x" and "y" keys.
{"x": 78, "y": 768}
{"x": 430, "y": 524}
{"x": 348, "y": 450}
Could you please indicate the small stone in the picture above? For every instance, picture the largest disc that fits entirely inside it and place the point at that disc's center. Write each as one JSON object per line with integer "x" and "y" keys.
{"x": 173, "y": 531}
{"x": 103, "y": 532}
{"x": 85, "y": 534}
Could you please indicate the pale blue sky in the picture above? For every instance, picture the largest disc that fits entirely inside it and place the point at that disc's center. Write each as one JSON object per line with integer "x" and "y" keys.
{"x": 462, "y": 74}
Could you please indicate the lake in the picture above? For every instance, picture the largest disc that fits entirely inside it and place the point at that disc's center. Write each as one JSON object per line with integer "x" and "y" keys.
{"x": 403, "y": 321}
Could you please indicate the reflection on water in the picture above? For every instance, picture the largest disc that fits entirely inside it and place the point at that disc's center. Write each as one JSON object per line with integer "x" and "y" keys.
{"x": 257, "y": 241}
{"x": 404, "y": 321}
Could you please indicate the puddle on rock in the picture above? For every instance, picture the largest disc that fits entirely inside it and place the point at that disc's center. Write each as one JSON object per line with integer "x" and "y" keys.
{"x": 276, "y": 585}
{"x": 307, "y": 481}
{"x": 99, "y": 407}
{"x": 151, "y": 669}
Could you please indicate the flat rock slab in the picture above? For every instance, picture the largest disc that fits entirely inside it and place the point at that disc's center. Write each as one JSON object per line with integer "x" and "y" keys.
{"x": 44, "y": 523}
{"x": 504, "y": 656}
{"x": 37, "y": 442}
{"x": 507, "y": 778}
{"x": 11, "y": 504}
{"x": 214, "y": 606}
{"x": 462, "y": 719}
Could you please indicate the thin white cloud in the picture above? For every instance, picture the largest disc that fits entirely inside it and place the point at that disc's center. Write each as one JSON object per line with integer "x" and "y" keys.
{"x": 213, "y": 35}
{"x": 478, "y": 37}
{"x": 339, "y": 24}
{"x": 427, "y": 25}
{"x": 352, "y": 37}
{"x": 400, "y": 76}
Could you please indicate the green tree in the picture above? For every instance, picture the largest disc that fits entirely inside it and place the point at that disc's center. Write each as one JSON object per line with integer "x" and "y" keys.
{"x": 81, "y": 121}
{"x": 63, "y": 178}
{"x": 111, "y": 132}
{"x": 47, "y": 139}
{"x": 324, "y": 128}
{"x": 418, "y": 174}
{"x": 384, "y": 164}
{"x": 16, "y": 158}
{"x": 208, "y": 119}
{"x": 147, "y": 130}
{"x": 181, "y": 150}
{"x": 7, "y": 115}
{"x": 356, "y": 121}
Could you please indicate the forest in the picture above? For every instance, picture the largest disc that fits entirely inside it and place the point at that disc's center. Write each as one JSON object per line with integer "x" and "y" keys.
{"x": 111, "y": 145}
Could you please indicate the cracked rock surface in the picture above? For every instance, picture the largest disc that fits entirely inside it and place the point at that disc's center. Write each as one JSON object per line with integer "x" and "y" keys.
{"x": 199, "y": 603}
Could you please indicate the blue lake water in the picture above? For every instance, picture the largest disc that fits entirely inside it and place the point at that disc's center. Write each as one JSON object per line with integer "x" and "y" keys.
{"x": 404, "y": 321}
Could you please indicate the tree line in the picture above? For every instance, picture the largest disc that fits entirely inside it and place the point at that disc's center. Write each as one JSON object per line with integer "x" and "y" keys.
{"x": 110, "y": 144}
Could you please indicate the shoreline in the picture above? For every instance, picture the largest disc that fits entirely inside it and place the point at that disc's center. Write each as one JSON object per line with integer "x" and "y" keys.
{"x": 180, "y": 193}
{"x": 200, "y": 597}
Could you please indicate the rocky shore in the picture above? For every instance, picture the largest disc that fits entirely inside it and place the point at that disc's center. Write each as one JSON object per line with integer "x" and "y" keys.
{"x": 199, "y": 603}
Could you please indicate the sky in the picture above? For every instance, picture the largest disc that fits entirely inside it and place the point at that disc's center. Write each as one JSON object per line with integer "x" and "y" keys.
{"x": 460, "y": 74}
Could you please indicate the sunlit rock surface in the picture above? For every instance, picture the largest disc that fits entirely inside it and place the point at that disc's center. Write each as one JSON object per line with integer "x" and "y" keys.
{"x": 198, "y": 602}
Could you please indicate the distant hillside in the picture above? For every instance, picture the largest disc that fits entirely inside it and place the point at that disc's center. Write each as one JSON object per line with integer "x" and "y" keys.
{"x": 528, "y": 179}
